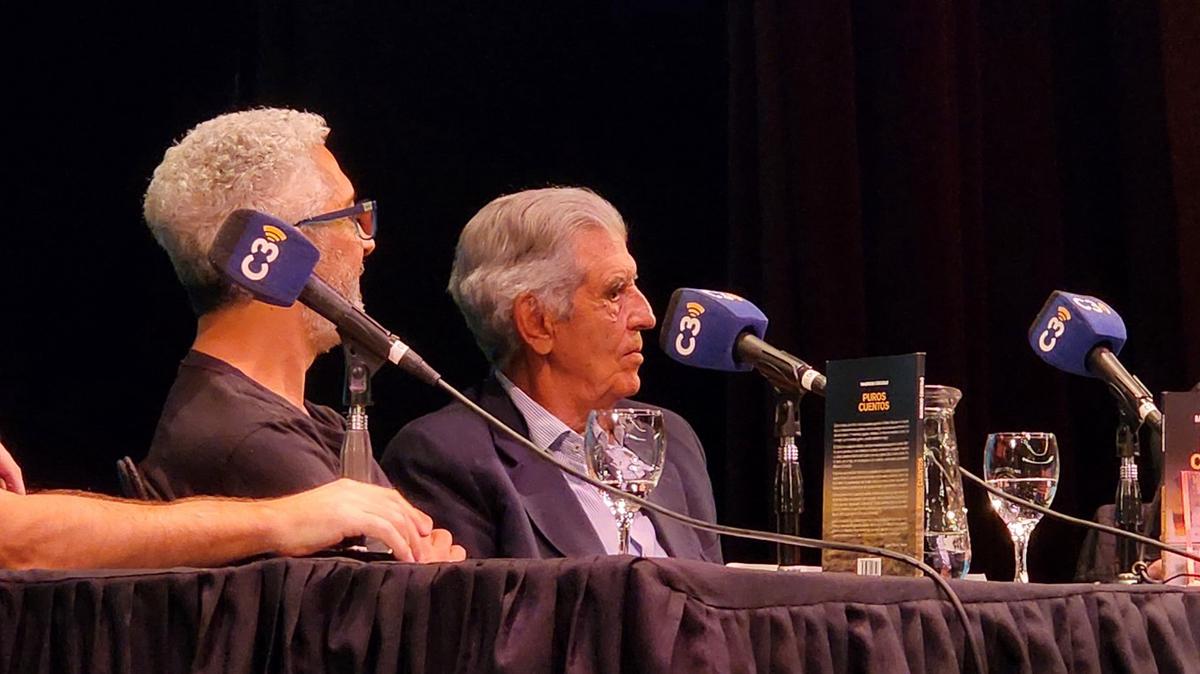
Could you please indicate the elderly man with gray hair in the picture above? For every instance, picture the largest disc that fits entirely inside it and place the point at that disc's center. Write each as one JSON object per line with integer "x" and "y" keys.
{"x": 548, "y": 287}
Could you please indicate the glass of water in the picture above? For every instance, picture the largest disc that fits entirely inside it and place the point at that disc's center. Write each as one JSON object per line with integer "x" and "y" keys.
{"x": 625, "y": 449}
{"x": 1024, "y": 465}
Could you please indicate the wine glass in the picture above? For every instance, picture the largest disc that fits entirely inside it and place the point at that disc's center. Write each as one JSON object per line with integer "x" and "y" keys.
{"x": 625, "y": 449}
{"x": 1026, "y": 466}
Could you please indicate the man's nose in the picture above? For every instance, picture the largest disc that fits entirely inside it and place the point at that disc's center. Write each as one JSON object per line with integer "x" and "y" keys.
{"x": 368, "y": 246}
{"x": 642, "y": 315}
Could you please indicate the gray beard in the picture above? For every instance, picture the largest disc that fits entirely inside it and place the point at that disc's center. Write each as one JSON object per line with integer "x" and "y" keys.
{"x": 322, "y": 334}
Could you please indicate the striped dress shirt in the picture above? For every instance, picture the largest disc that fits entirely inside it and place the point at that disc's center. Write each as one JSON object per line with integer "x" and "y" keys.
{"x": 549, "y": 432}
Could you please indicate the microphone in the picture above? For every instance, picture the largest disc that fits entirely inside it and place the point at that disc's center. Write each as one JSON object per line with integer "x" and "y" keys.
{"x": 1083, "y": 335}
{"x": 721, "y": 331}
{"x": 274, "y": 262}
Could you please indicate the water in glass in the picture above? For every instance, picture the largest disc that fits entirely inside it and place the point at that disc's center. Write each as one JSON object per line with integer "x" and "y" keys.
{"x": 625, "y": 449}
{"x": 1024, "y": 465}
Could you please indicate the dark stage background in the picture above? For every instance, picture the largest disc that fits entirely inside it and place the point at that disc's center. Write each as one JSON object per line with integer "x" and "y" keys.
{"x": 879, "y": 177}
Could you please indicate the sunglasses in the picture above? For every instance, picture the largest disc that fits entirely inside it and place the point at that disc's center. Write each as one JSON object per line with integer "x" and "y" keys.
{"x": 365, "y": 215}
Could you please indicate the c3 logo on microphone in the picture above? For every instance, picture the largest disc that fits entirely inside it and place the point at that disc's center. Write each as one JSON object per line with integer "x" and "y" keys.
{"x": 266, "y": 248}
{"x": 1091, "y": 304}
{"x": 689, "y": 328}
{"x": 1055, "y": 328}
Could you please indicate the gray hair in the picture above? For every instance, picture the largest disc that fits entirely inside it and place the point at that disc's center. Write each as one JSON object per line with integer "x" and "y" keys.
{"x": 258, "y": 159}
{"x": 522, "y": 243}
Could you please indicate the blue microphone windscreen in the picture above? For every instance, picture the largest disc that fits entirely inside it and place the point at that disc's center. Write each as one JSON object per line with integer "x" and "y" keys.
{"x": 265, "y": 255}
{"x": 701, "y": 328}
{"x": 1070, "y": 326}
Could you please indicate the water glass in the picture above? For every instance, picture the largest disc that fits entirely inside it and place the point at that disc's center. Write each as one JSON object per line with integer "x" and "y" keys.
{"x": 1024, "y": 465}
{"x": 625, "y": 449}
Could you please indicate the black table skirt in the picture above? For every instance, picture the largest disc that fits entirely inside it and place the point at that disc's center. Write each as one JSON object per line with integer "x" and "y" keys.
{"x": 604, "y": 614}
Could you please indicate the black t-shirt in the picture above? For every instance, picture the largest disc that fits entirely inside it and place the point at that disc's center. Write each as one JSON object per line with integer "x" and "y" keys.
{"x": 222, "y": 433}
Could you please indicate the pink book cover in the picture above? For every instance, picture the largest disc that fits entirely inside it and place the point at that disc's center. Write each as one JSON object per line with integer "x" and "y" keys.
{"x": 1181, "y": 486}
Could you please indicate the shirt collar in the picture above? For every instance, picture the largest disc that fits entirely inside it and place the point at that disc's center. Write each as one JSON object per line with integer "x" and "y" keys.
{"x": 544, "y": 428}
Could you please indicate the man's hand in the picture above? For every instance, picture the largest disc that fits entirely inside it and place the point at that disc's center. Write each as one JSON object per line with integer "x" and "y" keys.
{"x": 10, "y": 473}
{"x": 443, "y": 549}
{"x": 321, "y": 517}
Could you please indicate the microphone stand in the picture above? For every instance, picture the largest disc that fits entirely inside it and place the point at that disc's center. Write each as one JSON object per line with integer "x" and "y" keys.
{"x": 356, "y": 451}
{"x": 789, "y": 482}
{"x": 1128, "y": 503}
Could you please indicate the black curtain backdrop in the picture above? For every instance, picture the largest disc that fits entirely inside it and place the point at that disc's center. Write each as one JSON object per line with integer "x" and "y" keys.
{"x": 919, "y": 177}
{"x": 880, "y": 178}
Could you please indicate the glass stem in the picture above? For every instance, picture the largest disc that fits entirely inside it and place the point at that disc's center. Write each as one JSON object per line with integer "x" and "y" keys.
{"x": 623, "y": 535}
{"x": 1020, "y": 548}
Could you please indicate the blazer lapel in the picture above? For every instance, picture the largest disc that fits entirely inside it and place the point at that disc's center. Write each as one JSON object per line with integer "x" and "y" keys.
{"x": 548, "y": 499}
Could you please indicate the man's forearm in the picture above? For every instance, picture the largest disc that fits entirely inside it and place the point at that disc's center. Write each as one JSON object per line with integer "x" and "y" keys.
{"x": 66, "y": 531}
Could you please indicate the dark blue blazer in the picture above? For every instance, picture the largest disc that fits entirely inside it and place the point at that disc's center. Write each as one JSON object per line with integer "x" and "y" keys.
{"x": 499, "y": 500}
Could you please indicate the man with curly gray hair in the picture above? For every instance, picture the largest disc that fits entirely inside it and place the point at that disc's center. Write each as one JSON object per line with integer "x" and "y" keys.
{"x": 236, "y": 422}
{"x": 547, "y": 286}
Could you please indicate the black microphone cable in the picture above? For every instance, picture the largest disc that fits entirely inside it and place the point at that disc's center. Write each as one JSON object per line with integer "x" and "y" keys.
{"x": 751, "y": 534}
{"x": 1142, "y": 570}
{"x": 1067, "y": 518}
{"x": 1075, "y": 520}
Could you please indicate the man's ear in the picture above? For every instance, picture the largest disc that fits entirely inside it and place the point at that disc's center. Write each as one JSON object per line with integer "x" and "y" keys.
{"x": 533, "y": 324}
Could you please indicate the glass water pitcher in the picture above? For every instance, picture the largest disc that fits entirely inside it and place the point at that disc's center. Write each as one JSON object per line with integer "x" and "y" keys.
{"x": 947, "y": 541}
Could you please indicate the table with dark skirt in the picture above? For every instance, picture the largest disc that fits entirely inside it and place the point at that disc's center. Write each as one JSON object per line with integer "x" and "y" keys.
{"x": 599, "y": 614}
